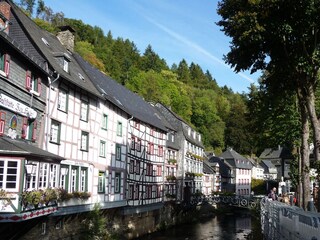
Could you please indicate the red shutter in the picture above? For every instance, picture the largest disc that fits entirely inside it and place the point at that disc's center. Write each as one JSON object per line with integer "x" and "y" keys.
{"x": 24, "y": 127}
{"x": 2, "y": 122}
{"x": 34, "y": 131}
{"x": 28, "y": 80}
{"x": 7, "y": 64}
{"x": 39, "y": 86}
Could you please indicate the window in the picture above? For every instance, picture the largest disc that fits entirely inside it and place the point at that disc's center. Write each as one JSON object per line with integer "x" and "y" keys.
{"x": 65, "y": 65}
{"x": 131, "y": 166}
{"x": 149, "y": 191}
{"x": 44, "y": 175}
{"x": 138, "y": 145}
{"x": 33, "y": 83}
{"x": 137, "y": 167}
{"x": 119, "y": 129}
{"x": 64, "y": 177}
{"x": 150, "y": 148}
{"x": 83, "y": 180}
{"x": 55, "y": 132}
{"x": 160, "y": 151}
{"x": 149, "y": 169}
{"x": 131, "y": 192}
{"x": 133, "y": 142}
{"x": 84, "y": 141}
{"x": 29, "y": 129}
{"x": 4, "y": 64}
{"x": 73, "y": 179}
{"x": 159, "y": 170}
{"x": 136, "y": 191}
{"x": 117, "y": 183}
{"x": 101, "y": 182}
{"x": 118, "y": 152}
{"x": 102, "y": 149}
{"x": 63, "y": 100}
{"x": 84, "y": 112}
{"x": 53, "y": 182}
{"x": 105, "y": 121}
{"x": 2, "y": 122}
{"x": 9, "y": 176}
{"x": 137, "y": 125}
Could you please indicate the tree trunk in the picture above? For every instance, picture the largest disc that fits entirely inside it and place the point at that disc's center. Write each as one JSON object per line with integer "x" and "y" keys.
{"x": 304, "y": 164}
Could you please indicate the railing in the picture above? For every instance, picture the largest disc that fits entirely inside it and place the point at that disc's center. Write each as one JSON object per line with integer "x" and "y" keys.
{"x": 282, "y": 221}
{"x": 237, "y": 201}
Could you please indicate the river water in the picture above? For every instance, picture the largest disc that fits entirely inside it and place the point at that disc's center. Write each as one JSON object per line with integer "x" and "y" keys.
{"x": 232, "y": 226}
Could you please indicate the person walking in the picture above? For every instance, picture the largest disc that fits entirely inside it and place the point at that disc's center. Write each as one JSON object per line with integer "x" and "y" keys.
{"x": 273, "y": 194}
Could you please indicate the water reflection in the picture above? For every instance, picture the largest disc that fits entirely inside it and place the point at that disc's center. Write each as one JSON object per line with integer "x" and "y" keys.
{"x": 239, "y": 225}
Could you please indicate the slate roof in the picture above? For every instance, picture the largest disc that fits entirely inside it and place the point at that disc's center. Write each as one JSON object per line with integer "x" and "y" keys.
{"x": 178, "y": 125}
{"x": 23, "y": 148}
{"x": 231, "y": 156}
{"x": 224, "y": 166}
{"x": 23, "y": 52}
{"x": 269, "y": 166}
{"x": 122, "y": 97}
{"x": 278, "y": 153}
{"x": 207, "y": 167}
{"x": 50, "y": 47}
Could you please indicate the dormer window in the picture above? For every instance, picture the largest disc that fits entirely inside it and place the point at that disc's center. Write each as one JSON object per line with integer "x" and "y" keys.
{"x": 65, "y": 65}
{"x": 189, "y": 131}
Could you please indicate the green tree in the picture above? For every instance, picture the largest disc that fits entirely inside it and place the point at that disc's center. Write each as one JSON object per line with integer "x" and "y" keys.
{"x": 151, "y": 61}
{"x": 183, "y": 72}
{"x": 283, "y": 39}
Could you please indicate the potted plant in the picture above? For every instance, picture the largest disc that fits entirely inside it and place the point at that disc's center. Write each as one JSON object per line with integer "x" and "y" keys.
{"x": 49, "y": 195}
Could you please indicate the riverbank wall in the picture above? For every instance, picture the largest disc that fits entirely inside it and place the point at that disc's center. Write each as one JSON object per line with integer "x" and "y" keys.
{"x": 115, "y": 223}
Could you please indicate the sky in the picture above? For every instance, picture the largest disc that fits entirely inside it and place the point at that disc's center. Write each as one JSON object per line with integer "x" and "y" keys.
{"x": 175, "y": 29}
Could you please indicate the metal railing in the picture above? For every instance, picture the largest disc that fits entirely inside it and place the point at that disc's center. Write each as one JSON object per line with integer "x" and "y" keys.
{"x": 282, "y": 221}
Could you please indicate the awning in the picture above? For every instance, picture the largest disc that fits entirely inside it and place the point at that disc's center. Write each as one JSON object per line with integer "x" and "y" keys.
{"x": 22, "y": 148}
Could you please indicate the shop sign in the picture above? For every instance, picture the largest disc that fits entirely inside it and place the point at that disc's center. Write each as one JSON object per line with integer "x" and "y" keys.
{"x": 17, "y": 107}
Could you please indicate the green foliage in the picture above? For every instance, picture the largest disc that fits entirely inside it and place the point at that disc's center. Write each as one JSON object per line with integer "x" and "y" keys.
{"x": 94, "y": 225}
{"x": 191, "y": 93}
{"x": 258, "y": 186}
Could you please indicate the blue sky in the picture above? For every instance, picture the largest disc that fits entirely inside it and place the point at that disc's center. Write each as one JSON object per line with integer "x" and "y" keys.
{"x": 176, "y": 30}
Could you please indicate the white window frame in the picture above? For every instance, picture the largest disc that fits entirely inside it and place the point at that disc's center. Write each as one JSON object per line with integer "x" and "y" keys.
{"x": 119, "y": 129}
{"x": 55, "y": 132}
{"x": 101, "y": 182}
{"x": 6, "y": 174}
{"x": 84, "y": 111}
{"x": 84, "y": 145}
{"x": 63, "y": 100}
{"x": 105, "y": 121}
{"x": 102, "y": 150}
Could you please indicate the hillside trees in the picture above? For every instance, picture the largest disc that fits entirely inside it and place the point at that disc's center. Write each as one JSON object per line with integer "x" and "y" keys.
{"x": 188, "y": 90}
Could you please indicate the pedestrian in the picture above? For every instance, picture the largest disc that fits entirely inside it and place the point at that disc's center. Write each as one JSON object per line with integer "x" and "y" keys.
{"x": 273, "y": 194}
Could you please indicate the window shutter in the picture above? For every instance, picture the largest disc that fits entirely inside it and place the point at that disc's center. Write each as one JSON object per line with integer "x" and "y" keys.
{"x": 34, "y": 131}
{"x": 28, "y": 80}
{"x": 7, "y": 64}
{"x": 39, "y": 86}
{"x": 2, "y": 122}
{"x": 24, "y": 127}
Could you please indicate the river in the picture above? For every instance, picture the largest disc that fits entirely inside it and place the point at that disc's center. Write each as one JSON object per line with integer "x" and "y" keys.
{"x": 232, "y": 226}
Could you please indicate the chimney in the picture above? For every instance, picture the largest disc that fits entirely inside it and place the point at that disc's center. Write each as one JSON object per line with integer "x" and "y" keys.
{"x": 66, "y": 37}
{"x": 4, "y": 16}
